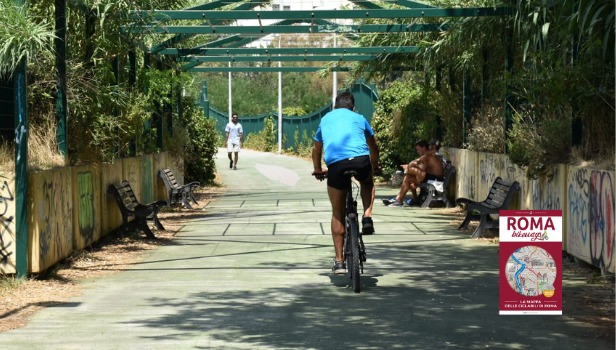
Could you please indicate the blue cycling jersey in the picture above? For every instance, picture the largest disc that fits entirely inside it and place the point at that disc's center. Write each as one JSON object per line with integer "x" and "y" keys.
{"x": 343, "y": 134}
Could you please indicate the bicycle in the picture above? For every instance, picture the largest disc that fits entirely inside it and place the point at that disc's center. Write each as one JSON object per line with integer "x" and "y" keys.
{"x": 354, "y": 250}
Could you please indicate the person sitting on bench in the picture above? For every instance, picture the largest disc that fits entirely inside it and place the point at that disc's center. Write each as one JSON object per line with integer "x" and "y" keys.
{"x": 435, "y": 146}
{"x": 425, "y": 168}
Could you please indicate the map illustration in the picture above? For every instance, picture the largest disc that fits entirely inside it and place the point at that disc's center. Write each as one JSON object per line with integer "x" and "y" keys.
{"x": 531, "y": 271}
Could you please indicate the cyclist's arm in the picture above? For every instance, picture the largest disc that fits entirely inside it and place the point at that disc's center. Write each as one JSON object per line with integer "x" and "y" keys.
{"x": 317, "y": 154}
{"x": 374, "y": 152}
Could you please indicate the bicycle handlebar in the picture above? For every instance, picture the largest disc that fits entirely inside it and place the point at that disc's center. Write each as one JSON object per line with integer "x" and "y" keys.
{"x": 320, "y": 176}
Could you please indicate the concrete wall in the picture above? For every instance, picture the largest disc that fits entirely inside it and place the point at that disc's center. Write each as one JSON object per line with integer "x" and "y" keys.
{"x": 69, "y": 208}
{"x": 7, "y": 222}
{"x": 585, "y": 196}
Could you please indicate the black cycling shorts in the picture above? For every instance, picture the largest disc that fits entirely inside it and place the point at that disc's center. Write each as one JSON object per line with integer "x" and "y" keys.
{"x": 335, "y": 172}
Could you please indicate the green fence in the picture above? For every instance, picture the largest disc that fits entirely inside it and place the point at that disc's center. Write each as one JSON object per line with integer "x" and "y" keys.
{"x": 365, "y": 96}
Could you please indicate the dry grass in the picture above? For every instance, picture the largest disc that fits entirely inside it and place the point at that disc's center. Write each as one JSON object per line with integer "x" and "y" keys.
{"x": 43, "y": 147}
{"x": 606, "y": 163}
{"x": 43, "y": 151}
{"x": 7, "y": 157}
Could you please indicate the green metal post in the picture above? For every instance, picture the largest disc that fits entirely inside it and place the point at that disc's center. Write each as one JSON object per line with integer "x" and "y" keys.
{"x": 508, "y": 97}
{"x": 21, "y": 168}
{"x": 205, "y": 103}
{"x": 132, "y": 68}
{"x": 179, "y": 92}
{"x": 437, "y": 86}
{"x": 90, "y": 29}
{"x": 61, "y": 102}
{"x": 576, "y": 122}
{"x": 485, "y": 75}
{"x": 115, "y": 66}
{"x": 467, "y": 101}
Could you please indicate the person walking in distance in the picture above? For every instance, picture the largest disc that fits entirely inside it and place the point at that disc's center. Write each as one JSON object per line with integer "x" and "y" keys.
{"x": 348, "y": 143}
{"x": 233, "y": 142}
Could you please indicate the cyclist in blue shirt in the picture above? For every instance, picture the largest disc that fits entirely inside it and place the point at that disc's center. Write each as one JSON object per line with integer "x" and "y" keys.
{"x": 348, "y": 143}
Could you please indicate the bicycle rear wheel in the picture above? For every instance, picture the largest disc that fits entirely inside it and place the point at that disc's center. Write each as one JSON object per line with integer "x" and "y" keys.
{"x": 355, "y": 259}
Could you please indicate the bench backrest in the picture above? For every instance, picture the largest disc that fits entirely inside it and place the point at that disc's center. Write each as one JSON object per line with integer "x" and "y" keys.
{"x": 168, "y": 178}
{"x": 124, "y": 194}
{"x": 449, "y": 171}
{"x": 501, "y": 193}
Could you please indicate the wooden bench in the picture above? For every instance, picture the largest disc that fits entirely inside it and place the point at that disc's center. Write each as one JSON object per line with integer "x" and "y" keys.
{"x": 498, "y": 198}
{"x": 130, "y": 207}
{"x": 176, "y": 193}
{"x": 432, "y": 194}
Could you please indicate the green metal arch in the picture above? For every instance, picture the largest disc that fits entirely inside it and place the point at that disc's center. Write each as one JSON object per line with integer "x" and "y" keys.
{"x": 365, "y": 95}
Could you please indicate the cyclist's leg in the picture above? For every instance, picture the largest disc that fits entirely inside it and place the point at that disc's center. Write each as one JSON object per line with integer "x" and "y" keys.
{"x": 337, "y": 199}
{"x": 367, "y": 193}
{"x": 366, "y": 183}
{"x": 337, "y": 184}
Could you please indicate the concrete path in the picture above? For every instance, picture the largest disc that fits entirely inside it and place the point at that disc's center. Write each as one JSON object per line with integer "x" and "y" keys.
{"x": 255, "y": 274}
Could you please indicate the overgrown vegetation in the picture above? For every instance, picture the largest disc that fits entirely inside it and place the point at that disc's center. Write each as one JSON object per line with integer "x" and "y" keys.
{"x": 404, "y": 114}
{"x": 266, "y": 139}
{"x": 539, "y": 84}
{"x": 553, "y": 99}
{"x": 114, "y": 111}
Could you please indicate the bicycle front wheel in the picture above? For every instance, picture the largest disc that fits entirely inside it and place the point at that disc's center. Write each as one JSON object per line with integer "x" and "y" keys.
{"x": 355, "y": 266}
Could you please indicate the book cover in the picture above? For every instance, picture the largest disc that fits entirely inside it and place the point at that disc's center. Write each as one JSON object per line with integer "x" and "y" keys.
{"x": 530, "y": 262}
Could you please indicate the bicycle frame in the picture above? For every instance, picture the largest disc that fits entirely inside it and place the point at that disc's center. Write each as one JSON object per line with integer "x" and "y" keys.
{"x": 353, "y": 246}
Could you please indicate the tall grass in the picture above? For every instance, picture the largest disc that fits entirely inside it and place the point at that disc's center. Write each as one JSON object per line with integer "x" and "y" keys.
{"x": 20, "y": 36}
{"x": 42, "y": 149}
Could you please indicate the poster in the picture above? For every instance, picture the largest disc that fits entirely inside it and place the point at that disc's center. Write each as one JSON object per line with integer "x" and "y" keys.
{"x": 530, "y": 262}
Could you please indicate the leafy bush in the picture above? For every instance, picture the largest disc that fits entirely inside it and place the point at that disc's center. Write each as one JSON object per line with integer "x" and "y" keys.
{"x": 488, "y": 131}
{"x": 535, "y": 145}
{"x": 302, "y": 146}
{"x": 265, "y": 140}
{"x": 293, "y": 111}
{"x": 403, "y": 114}
{"x": 202, "y": 143}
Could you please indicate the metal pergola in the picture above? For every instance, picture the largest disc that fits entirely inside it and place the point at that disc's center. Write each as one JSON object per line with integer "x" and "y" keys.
{"x": 217, "y": 20}
{"x": 225, "y": 41}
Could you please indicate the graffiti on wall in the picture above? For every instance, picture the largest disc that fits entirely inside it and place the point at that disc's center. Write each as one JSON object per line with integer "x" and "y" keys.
{"x": 492, "y": 166}
{"x": 468, "y": 186}
{"x": 5, "y": 220}
{"x": 545, "y": 193}
{"x": 489, "y": 169}
{"x": 147, "y": 184}
{"x": 55, "y": 230}
{"x": 601, "y": 219}
{"x": 577, "y": 195}
{"x": 85, "y": 206}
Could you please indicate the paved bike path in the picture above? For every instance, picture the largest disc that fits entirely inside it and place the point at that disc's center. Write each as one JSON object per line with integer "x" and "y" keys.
{"x": 254, "y": 274}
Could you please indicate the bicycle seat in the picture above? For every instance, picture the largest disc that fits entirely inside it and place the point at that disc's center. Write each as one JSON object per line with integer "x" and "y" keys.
{"x": 350, "y": 173}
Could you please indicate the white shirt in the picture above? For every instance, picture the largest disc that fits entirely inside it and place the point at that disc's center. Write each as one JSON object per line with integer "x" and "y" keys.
{"x": 234, "y": 130}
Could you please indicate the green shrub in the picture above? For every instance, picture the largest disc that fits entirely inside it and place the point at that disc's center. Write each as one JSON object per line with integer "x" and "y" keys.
{"x": 403, "y": 114}
{"x": 201, "y": 146}
{"x": 536, "y": 145}
{"x": 266, "y": 139}
{"x": 302, "y": 146}
{"x": 488, "y": 131}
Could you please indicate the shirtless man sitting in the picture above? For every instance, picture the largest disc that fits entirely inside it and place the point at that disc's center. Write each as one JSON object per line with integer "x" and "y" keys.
{"x": 427, "y": 167}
